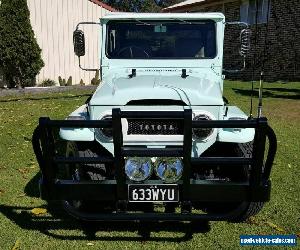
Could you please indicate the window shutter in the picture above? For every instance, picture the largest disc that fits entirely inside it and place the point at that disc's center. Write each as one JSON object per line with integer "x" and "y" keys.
{"x": 244, "y": 11}
{"x": 265, "y": 10}
{"x": 252, "y": 12}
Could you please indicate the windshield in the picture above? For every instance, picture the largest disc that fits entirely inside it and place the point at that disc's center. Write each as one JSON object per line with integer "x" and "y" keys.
{"x": 161, "y": 40}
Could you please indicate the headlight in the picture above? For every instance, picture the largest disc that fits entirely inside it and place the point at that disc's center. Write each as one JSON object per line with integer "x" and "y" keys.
{"x": 169, "y": 169}
{"x": 138, "y": 168}
{"x": 107, "y": 132}
{"x": 202, "y": 133}
{"x": 76, "y": 118}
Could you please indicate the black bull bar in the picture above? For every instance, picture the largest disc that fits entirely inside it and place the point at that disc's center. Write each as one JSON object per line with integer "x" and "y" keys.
{"x": 256, "y": 189}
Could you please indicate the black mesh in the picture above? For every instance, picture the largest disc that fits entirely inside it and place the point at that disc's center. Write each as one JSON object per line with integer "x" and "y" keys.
{"x": 202, "y": 133}
{"x": 155, "y": 127}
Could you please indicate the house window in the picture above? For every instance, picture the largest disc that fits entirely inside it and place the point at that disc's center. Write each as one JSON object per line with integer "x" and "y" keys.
{"x": 248, "y": 11}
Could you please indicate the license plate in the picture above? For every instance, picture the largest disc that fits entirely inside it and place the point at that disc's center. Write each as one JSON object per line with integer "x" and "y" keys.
{"x": 153, "y": 193}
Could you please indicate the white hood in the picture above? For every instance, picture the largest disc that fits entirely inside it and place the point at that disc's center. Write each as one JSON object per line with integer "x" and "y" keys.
{"x": 191, "y": 90}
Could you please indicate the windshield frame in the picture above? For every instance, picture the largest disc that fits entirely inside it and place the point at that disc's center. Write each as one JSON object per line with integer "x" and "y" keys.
{"x": 174, "y": 20}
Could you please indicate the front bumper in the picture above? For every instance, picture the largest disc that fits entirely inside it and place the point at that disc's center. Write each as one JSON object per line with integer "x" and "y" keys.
{"x": 256, "y": 189}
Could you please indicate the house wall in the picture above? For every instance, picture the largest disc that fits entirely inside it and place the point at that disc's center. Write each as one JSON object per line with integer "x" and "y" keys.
{"x": 284, "y": 45}
{"x": 53, "y": 22}
{"x": 282, "y": 60}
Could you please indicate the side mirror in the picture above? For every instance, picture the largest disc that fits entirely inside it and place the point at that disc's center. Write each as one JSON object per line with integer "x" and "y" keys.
{"x": 79, "y": 43}
{"x": 245, "y": 39}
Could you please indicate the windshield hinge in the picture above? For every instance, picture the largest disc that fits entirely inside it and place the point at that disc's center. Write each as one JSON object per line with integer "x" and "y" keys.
{"x": 133, "y": 73}
{"x": 184, "y": 75}
{"x": 213, "y": 67}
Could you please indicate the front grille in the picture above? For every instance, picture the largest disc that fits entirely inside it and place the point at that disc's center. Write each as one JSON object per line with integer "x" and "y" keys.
{"x": 155, "y": 127}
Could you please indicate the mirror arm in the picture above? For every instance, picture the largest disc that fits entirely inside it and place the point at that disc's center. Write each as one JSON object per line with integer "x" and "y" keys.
{"x": 85, "y": 68}
{"x": 234, "y": 71}
{"x": 246, "y": 25}
{"x": 81, "y": 23}
{"x": 77, "y": 28}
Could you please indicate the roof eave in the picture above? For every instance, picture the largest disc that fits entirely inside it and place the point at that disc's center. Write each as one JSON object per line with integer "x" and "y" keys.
{"x": 104, "y": 5}
{"x": 180, "y": 7}
{"x": 160, "y": 16}
{"x": 183, "y": 7}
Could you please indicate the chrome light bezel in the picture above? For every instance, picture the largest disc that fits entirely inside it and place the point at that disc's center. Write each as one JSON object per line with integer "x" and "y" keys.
{"x": 210, "y": 131}
{"x": 140, "y": 161}
{"x": 76, "y": 118}
{"x": 169, "y": 162}
{"x": 100, "y": 130}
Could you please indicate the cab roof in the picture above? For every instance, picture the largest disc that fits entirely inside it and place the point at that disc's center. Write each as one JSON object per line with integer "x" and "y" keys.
{"x": 217, "y": 16}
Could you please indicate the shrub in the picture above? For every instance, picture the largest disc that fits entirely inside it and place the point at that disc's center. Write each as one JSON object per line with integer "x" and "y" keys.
{"x": 96, "y": 80}
{"x": 47, "y": 83}
{"x": 20, "y": 54}
{"x": 82, "y": 83}
{"x": 62, "y": 81}
{"x": 69, "y": 82}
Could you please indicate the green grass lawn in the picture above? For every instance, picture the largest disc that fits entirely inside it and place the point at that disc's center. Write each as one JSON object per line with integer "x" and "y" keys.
{"x": 54, "y": 230}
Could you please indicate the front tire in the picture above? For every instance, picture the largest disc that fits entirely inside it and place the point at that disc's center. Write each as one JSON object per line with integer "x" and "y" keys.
{"x": 250, "y": 208}
{"x": 84, "y": 171}
{"x": 241, "y": 174}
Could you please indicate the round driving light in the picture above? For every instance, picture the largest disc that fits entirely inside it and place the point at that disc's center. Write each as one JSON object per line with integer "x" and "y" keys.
{"x": 169, "y": 169}
{"x": 107, "y": 132}
{"x": 138, "y": 169}
{"x": 202, "y": 133}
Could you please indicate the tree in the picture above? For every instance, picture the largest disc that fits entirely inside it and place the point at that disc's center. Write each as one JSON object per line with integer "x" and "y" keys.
{"x": 20, "y": 54}
{"x": 141, "y": 5}
{"x": 133, "y": 5}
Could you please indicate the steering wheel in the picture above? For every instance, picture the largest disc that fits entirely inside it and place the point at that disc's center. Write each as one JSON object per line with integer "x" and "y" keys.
{"x": 131, "y": 48}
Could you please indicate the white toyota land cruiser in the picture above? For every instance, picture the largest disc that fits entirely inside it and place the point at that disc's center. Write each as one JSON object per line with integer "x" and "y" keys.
{"x": 157, "y": 133}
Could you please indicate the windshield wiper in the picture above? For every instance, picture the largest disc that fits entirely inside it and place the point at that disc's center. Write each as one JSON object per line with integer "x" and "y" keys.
{"x": 139, "y": 21}
{"x": 154, "y": 24}
{"x": 184, "y": 21}
{"x": 187, "y": 22}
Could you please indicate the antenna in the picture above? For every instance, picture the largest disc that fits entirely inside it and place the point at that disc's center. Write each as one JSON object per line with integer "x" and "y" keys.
{"x": 260, "y": 98}
{"x": 254, "y": 59}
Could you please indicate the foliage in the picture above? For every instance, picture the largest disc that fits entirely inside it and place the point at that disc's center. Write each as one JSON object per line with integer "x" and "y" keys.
{"x": 82, "y": 83}
{"x": 62, "y": 81}
{"x": 38, "y": 211}
{"x": 96, "y": 80}
{"x": 20, "y": 54}
{"x": 47, "y": 83}
{"x": 140, "y": 5}
{"x": 69, "y": 82}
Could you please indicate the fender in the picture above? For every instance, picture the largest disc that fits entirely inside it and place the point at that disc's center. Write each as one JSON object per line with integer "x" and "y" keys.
{"x": 236, "y": 135}
{"x": 78, "y": 134}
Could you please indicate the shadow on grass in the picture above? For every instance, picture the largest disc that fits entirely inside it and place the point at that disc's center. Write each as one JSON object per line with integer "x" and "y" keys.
{"x": 293, "y": 94}
{"x": 45, "y": 98}
{"x": 32, "y": 187}
{"x": 57, "y": 220}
